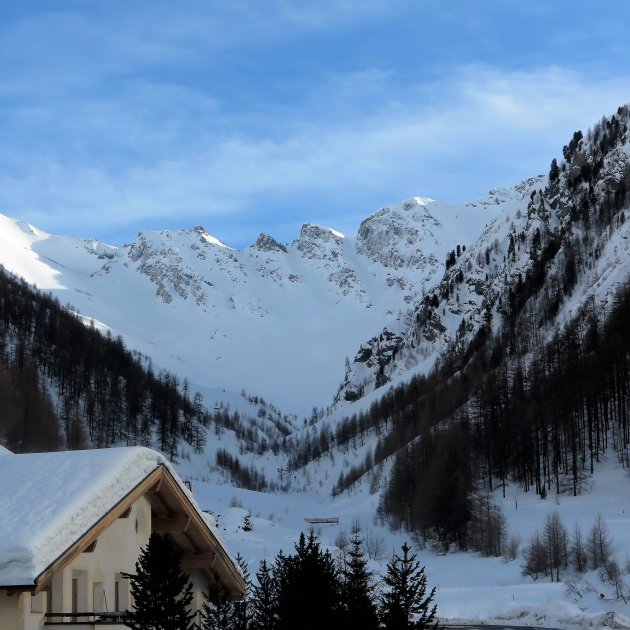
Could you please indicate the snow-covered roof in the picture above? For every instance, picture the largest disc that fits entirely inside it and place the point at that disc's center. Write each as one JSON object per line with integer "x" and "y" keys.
{"x": 49, "y": 500}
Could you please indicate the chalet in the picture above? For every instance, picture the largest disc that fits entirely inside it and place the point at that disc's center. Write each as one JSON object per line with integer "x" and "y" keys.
{"x": 73, "y": 523}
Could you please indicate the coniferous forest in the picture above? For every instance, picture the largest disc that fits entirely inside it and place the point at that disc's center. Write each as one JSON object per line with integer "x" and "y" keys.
{"x": 543, "y": 427}
{"x": 515, "y": 405}
{"x": 104, "y": 393}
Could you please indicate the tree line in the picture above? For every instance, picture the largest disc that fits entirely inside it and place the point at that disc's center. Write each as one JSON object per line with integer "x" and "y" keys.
{"x": 308, "y": 588}
{"x": 103, "y": 393}
{"x": 543, "y": 425}
{"x": 65, "y": 385}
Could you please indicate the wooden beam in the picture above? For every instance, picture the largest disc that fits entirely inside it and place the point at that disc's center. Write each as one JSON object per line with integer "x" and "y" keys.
{"x": 223, "y": 564}
{"x": 203, "y": 560}
{"x": 170, "y": 525}
{"x": 158, "y": 505}
{"x": 156, "y": 486}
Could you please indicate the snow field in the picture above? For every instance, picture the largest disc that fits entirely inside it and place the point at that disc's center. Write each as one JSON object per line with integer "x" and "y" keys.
{"x": 469, "y": 587}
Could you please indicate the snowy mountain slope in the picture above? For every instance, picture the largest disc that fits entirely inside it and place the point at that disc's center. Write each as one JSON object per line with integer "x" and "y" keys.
{"x": 207, "y": 311}
{"x": 416, "y": 341}
{"x": 272, "y": 319}
{"x": 558, "y": 254}
{"x": 538, "y": 218}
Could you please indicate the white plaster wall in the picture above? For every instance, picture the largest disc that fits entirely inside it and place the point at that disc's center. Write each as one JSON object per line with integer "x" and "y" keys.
{"x": 116, "y": 552}
{"x": 11, "y": 610}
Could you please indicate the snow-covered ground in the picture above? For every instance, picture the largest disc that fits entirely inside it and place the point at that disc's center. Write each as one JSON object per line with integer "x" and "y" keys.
{"x": 469, "y": 587}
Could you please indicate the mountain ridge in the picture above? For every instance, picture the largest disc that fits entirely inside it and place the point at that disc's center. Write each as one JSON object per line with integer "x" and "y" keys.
{"x": 503, "y": 379}
{"x": 297, "y": 309}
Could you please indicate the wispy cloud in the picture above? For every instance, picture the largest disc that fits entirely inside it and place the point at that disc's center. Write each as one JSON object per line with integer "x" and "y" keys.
{"x": 140, "y": 119}
{"x": 463, "y": 134}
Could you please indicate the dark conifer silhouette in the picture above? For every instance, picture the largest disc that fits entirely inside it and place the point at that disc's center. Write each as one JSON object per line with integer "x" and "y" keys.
{"x": 405, "y": 604}
{"x": 242, "y": 613}
{"x": 357, "y": 593}
{"x": 308, "y": 584}
{"x": 219, "y": 612}
{"x": 161, "y": 593}
{"x": 264, "y": 599}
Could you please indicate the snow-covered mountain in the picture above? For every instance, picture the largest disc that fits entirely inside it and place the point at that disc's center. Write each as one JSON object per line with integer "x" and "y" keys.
{"x": 276, "y": 320}
{"x": 414, "y": 342}
{"x": 331, "y": 318}
{"x": 540, "y": 213}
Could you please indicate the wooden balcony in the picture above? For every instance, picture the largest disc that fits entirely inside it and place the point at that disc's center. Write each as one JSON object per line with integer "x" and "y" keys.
{"x": 85, "y": 620}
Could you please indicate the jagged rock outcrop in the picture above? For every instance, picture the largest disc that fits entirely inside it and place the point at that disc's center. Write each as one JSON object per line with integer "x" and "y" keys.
{"x": 266, "y": 243}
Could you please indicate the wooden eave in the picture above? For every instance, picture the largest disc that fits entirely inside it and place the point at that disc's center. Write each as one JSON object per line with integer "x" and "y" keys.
{"x": 170, "y": 505}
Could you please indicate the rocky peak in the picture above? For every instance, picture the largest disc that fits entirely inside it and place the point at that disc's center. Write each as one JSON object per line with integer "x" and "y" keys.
{"x": 318, "y": 242}
{"x": 312, "y": 232}
{"x": 397, "y": 236}
{"x": 266, "y": 243}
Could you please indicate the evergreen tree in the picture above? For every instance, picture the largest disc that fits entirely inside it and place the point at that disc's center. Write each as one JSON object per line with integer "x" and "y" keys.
{"x": 405, "y": 604}
{"x": 162, "y": 594}
{"x": 359, "y": 610}
{"x": 247, "y": 523}
{"x": 308, "y": 585}
{"x": 264, "y": 599}
{"x": 554, "y": 171}
{"x": 218, "y": 612}
{"x": 241, "y": 616}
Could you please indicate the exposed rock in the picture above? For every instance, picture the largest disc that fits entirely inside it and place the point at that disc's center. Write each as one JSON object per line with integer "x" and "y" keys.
{"x": 266, "y": 243}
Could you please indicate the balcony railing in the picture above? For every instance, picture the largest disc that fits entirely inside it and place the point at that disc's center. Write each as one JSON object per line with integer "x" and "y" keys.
{"x": 99, "y": 618}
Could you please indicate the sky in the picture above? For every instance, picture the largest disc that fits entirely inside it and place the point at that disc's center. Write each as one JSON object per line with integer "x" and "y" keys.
{"x": 253, "y": 116}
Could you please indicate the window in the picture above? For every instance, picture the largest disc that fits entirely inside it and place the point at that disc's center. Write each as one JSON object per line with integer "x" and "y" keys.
{"x": 98, "y": 597}
{"x": 121, "y": 593}
{"x": 75, "y": 594}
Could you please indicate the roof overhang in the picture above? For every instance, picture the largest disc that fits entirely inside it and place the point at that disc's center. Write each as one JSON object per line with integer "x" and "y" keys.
{"x": 173, "y": 513}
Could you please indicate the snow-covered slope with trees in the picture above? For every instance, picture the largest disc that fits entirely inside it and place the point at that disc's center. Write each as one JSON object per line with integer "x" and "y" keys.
{"x": 542, "y": 236}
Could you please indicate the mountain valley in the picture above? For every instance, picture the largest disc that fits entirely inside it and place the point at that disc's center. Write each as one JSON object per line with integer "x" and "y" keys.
{"x": 447, "y": 362}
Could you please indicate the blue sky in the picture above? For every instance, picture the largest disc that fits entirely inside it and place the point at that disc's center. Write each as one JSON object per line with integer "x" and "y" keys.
{"x": 259, "y": 115}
